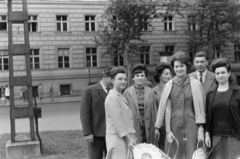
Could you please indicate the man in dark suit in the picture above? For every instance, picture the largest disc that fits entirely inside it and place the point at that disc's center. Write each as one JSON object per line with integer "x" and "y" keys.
{"x": 202, "y": 73}
{"x": 92, "y": 115}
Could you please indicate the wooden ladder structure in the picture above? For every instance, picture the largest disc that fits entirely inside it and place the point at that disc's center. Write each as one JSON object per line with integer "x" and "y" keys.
{"x": 20, "y": 17}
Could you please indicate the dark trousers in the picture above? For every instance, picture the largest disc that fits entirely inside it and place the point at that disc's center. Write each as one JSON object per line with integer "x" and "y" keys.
{"x": 97, "y": 148}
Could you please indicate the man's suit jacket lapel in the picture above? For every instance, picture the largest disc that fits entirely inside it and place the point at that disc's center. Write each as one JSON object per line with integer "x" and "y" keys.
{"x": 208, "y": 81}
{"x": 101, "y": 92}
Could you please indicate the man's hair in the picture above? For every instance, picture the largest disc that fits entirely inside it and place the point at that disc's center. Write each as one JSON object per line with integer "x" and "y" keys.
{"x": 201, "y": 54}
{"x": 106, "y": 71}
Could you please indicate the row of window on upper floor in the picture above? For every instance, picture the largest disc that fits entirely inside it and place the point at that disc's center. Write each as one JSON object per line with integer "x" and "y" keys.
{"x": 63, "y": 58}
{"x": 91, "y": 57}
{"x": 62, "y": 23}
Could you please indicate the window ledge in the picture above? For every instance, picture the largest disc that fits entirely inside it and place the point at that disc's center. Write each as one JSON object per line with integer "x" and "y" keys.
{"x": 146, "y": 32}
{"x": 90, "y": 33}
{"x": 35, "y": 33}
{"x": 171, "y": 32}
{"x": 3, "y": 31}
{"x": 62, "y": 32}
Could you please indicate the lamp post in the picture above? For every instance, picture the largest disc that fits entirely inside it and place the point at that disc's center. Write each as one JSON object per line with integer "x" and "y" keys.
{"x": 89, "y": 77}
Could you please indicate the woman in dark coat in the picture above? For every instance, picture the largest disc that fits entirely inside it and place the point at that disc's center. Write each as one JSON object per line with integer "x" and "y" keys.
{"x": 182, "y": 105}
{"x": 223, "y": 114}
{"x": 143, "y": 104}
{"x": 162, "y": 76}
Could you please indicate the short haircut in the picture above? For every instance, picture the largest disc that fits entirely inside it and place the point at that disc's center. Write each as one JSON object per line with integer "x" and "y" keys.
{"x": 222, "y": 62}
{"x": 116, "y": 70}
{"x": 106, "y": 71}
{"x": 181, "y": 57}
{"x": 159, "y": 70}
{"x": 139, "y": 68}
{"x": 201, "y": 54}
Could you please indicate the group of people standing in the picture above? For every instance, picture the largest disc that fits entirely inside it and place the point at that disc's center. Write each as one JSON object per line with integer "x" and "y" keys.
{"x": 188, "y": 108}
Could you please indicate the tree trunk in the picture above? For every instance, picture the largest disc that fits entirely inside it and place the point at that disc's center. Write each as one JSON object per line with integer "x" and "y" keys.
{"x": 128, "y": 66}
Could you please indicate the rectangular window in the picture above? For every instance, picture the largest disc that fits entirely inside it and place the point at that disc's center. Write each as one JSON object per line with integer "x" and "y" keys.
{"x": 4, "y": 60}
{"x": 90, "y": 23}
{"x": 192, "y": 25}
{"x": 238, "y": 80}
{"x": 169, "y": 48}
{"x": 145, "y": 55}
{"x": 144, "y": 24}
{"x": 3, "y": 23}
{"x": 191, "y": 54}
{"x": 35, "y": 59}
{"x": 118, "y": 60}
{"x": 168, "y": 23}
{"x": 91, "y": 57}
{"x": 63, "y": 58}
{"x": 217, "y": 52}
{"x": 237, "y": 53}
{"x": 33, "y": 23}
{"x": 62, "y": 23}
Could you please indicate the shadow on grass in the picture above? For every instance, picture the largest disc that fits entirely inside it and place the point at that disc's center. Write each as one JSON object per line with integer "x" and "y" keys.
{"x": 56, "y": 145}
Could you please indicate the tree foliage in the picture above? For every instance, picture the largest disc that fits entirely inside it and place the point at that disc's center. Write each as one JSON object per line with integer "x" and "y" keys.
{"x": 217, "y": 21}
{"x": 124, "y": 22}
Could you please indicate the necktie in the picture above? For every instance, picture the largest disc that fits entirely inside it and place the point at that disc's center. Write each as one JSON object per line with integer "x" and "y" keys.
{"x": 201, "y": 80}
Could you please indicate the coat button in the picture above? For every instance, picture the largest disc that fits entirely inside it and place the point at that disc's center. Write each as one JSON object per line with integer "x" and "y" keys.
{"x": 180, "y": 108}
{"x": 180, "y": 117}
{"x": 180, "y": 125}
{"x": 146, "y": 118}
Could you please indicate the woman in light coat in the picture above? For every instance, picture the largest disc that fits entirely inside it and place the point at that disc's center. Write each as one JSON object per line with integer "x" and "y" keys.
{"x": 120, "y": 131}
{"x": 182, "y": 105}
{"x": 143, "y": 104}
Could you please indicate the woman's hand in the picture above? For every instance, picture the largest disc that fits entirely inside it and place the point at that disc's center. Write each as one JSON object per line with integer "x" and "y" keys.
{"x": 130, "y": 142}
{"x": 170, "y": 137}
{"x": 201, "y": 133}
{"x": 208, "y": 140}
{"x": 157, "y": 134}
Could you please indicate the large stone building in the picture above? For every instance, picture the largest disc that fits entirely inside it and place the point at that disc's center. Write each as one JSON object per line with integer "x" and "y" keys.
{"x": 61, "y": 43}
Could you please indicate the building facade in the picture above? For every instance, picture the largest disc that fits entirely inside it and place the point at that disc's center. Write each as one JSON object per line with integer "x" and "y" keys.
{"x": 63, "y": 50}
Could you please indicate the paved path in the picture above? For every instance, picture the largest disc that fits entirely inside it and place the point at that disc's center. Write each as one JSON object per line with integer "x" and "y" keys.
{"x": 59, "y": 99}
{"x": 61, "y": 114}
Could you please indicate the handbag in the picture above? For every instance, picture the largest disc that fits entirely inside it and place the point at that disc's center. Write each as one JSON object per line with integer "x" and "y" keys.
{"x": 201, "y": 153}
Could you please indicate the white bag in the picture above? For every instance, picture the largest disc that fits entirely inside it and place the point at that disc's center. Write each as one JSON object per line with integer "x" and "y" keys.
{"x": 201, "y": 153}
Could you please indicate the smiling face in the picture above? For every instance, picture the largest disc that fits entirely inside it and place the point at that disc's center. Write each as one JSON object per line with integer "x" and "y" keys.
{"x": 139, "y": 79}
{"x": 222, "y": 75}
{"x": 180, "y": 69}
{"x": 165, "y": 76}
{"x": 120, "y": 82}
{"x": 200, "y": 64}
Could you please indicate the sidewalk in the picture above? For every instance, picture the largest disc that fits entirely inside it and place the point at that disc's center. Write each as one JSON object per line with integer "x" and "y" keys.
{"x": 46, "y": 100}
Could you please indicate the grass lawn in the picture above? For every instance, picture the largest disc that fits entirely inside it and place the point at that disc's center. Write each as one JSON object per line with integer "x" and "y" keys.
{"x": 56, "y": 145}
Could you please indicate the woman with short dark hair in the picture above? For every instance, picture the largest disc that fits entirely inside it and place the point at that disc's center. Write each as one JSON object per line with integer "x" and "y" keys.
{"x": 182, "y": 105}
{"x": 143, "y": 104}
{"x": 223, "y": 114}
{"x": 120, "y": 131}
{"x": 162, "y": 75}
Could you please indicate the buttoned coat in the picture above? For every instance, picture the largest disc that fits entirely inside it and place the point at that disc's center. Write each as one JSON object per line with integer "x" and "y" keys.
{"x": 209, "y": 81}
{"x": 92, "y": 111}
{"x": 119, "y": 123}
{"x": 150, "y": 112}
{"x": 187, "y": 110}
